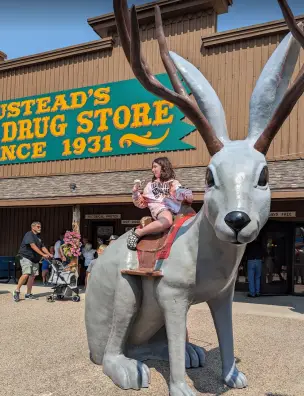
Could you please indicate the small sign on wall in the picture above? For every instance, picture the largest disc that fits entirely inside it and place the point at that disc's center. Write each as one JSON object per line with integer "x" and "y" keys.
{"x": 282, "y": 214}
{"x": 130, "y": 222}
{"x": 102, "y": 216}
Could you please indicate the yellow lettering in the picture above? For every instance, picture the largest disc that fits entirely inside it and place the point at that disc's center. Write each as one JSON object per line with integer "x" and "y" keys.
{"x": 13, "y": 109}
{"x": 126, "y": 117}
{"x": 60, "y": 103}
{"x": 8, "y": 127}
{"x": 3, "y": 110}
{"x": 25, "y": 132}
{"x": 42, "y": 105}
{"x": 102, "y": 96}
{"x": 19, "y": 152}
{"x": 37, "y": 123}
{"x": 81, "y": 96}
{"x": 8, "y": 153}
{"x": 38, "y": 150}
{"x": 66, "y": 147}
{"x": 86, "y": 123}
{"x": 79, "y": 145}
{"x": 28, "y": 106}
{"x": 141, "y": 115}
{"x": 107, "y": 144}
{"x": 58, "y": 129}
{"x": 103, "y": 113}
{"x": 95, "y": 140}
{"x": 161, "y": 111}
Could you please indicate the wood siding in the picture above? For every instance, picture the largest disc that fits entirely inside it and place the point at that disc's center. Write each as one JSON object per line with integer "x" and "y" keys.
{"x": 17, "y": 221}
{"x": 231, "y": 68}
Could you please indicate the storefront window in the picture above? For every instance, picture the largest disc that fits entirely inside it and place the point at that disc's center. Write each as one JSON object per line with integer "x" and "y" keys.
{"x": 299, "y": 261}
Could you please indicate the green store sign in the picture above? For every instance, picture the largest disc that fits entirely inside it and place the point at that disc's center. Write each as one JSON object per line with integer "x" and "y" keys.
{"x": 109, "y": 119}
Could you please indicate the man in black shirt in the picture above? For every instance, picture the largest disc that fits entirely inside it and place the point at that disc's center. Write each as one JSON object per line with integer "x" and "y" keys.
{"x": 31, "y": 250}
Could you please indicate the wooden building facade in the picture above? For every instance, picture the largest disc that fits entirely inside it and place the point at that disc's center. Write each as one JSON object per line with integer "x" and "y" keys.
{"x": 232, "y": 61}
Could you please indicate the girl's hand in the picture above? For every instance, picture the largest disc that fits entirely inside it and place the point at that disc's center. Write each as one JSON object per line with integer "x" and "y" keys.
{"x": 136, "y": 186}
{"x": 189, "y": 199}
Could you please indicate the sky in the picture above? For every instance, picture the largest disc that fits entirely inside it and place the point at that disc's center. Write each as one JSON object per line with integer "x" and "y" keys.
{"x": 31, "y": 26}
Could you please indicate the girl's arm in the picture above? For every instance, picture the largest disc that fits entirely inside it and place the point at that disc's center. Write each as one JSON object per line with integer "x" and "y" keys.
{"x": 181, "y": 193}
{"x": 138, "y": 200}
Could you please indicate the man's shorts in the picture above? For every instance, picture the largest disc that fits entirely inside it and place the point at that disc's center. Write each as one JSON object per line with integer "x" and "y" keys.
{"x": 29, "y": 268}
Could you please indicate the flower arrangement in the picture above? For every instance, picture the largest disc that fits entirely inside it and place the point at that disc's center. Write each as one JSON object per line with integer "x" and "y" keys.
{"x": 72, "y": 244}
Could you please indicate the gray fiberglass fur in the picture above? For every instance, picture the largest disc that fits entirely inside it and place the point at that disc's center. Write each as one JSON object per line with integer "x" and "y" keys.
{"x": 130, "y": 319}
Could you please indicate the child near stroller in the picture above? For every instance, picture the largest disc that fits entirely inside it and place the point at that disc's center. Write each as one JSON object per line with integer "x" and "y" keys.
{"x": 64, "y": 280}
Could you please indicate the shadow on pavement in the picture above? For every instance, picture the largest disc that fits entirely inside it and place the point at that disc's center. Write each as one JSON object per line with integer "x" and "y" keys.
{"x": 207, "y": 379}
{"x": 294, "y": 303}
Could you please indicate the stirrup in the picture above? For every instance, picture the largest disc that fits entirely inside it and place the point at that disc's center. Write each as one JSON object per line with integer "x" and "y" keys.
{"x": 132, "y": 240}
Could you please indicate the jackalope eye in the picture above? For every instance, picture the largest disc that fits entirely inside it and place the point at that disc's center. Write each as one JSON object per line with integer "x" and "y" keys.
{"x": 264, "y": 177}
{"x": 209, "y": 178}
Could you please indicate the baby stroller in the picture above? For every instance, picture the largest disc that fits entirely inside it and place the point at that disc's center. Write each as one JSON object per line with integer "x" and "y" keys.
{"x": 64, "y": 282}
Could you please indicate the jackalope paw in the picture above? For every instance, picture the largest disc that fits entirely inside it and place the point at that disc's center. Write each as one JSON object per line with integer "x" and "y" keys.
{"x": 195, "y": 356}
{"x": 236, "y": 379}
{"x": 181, "y": 389}
{"x": 126, "y": 373}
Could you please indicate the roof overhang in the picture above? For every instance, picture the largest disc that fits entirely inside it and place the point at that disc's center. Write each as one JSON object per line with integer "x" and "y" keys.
{"x": 105, "y": 25}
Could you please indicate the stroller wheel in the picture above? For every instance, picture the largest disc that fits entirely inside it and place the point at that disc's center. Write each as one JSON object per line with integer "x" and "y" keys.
{"x": 76, "y": 298}
{"x": 60, "y": 296}
{"x": 50, "y": 299}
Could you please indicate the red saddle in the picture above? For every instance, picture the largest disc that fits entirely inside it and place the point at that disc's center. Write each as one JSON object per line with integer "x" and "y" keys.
{"x": 157, "y": 246}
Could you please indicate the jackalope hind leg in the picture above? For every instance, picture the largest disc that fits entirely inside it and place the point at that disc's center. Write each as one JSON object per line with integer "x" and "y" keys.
{"x": 124, "y": 372}
{"x": 174, "y": 304}
{"x": 157, "y": 349}
{"x": 221, "y": 310}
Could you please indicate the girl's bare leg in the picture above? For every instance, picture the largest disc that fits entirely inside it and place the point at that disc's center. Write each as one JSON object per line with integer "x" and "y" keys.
{"x": 163, "y": 222}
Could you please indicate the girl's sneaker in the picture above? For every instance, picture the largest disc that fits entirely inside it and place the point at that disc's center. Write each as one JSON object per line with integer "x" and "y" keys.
{"x": 132, "y": 240}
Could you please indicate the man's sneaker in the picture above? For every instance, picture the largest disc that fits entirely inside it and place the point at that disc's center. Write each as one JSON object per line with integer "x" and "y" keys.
{"x": 16, "y": 296}
{"x": 29, "y": 297}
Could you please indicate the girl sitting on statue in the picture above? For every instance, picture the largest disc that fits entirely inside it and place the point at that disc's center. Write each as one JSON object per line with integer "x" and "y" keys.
{"x": 163, "y": 196}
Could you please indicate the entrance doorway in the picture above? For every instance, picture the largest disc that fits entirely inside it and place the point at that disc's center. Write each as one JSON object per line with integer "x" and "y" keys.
{"x": 298, "y": 274}
{"x": 102, "y": 231}
{"x": 277, "y": 243}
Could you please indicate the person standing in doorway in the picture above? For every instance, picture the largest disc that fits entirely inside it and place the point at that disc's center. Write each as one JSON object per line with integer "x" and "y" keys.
{"x": 255, "y": 255}
{"x": 58, "y": 255}
{"x": 31, "y": 250}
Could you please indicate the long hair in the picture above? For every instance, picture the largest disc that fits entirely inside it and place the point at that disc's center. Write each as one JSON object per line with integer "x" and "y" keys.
{"x": 167, "y": 172}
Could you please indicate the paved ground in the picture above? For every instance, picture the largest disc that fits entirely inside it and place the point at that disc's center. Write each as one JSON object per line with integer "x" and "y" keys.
{"x": 44, "y": 350}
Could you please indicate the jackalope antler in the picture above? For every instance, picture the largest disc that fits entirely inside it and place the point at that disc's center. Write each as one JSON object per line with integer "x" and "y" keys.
{"x": 293, "y": 93}
{"x": 128, "y": 30}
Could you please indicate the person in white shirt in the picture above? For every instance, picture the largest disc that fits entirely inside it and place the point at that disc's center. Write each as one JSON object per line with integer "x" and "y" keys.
{"x": 88, "y": 254}
{"x": 57, "y": 254}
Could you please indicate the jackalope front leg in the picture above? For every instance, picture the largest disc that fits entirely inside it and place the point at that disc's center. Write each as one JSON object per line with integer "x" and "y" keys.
{"x": 124, "y": 372}
{"x": 221, "y": 310}
{"x": 174, "y": 303}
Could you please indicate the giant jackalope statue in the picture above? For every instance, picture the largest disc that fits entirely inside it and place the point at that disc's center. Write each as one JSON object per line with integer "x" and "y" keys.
{"x": 132, "y": 318}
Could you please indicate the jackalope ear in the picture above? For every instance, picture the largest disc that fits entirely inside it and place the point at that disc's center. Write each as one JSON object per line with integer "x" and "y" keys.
{"x": 272, "y": 85}
{"x": 205, "y": 96}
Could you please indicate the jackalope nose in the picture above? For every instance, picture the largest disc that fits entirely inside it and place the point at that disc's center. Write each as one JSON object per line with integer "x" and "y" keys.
{"x": 237, "y": 220}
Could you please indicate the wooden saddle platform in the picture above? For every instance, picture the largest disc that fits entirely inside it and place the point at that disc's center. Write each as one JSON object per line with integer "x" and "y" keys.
{"x": 157, "y": 246}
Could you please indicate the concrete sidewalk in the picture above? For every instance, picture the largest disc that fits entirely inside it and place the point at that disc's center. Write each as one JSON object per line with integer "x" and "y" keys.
{"x": 44, "y": 349}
